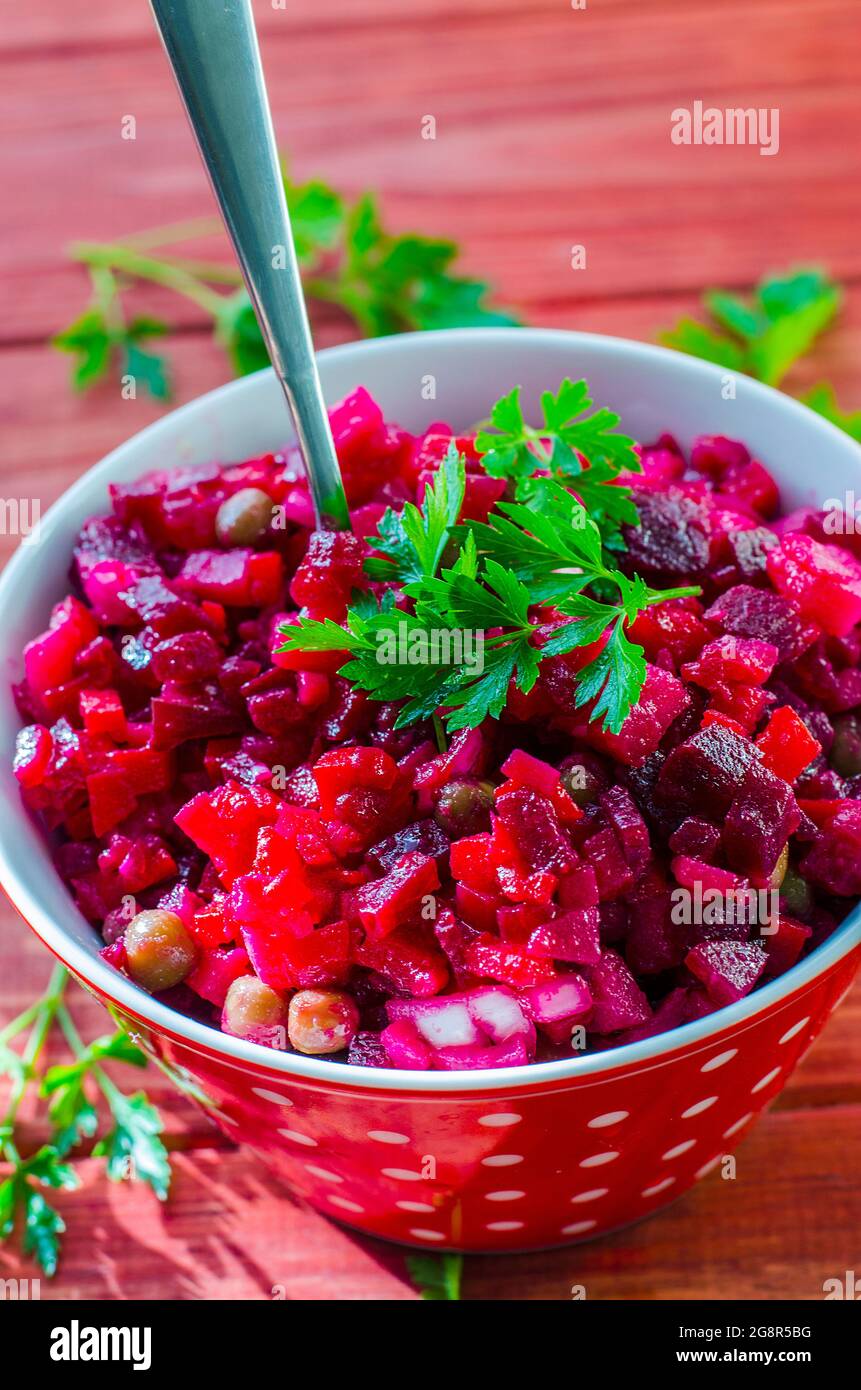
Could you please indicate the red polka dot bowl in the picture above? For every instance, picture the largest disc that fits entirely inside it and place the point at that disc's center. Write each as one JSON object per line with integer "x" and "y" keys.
{"x": 497, "y": 1160}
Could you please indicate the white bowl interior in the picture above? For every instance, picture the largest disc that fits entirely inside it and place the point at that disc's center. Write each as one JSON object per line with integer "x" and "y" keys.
{"x": 417, "y": 378}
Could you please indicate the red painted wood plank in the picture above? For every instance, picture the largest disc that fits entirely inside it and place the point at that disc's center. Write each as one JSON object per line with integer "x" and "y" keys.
{"x": 554, "y": 131}
{"x": 786, "y": 1222}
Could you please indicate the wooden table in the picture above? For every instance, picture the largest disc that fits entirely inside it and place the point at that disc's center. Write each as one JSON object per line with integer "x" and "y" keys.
{"x": 552, "y": 130}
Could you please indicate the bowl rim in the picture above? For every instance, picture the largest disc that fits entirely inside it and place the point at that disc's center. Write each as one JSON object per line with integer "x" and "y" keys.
{"x": 122, "y": 992}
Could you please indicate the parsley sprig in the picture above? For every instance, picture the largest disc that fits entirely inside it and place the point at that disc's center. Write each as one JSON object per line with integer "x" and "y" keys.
{"x": 767, "y": 333}
{"x": 571, "y": 432}
{"x": 437, "y": 1277}
{"x": 131, "y": 1143}
{"x": 384, "y": 283}
{"x": 547, "y": 549}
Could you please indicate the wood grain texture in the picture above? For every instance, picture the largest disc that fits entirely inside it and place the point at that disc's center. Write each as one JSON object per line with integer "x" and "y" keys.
{"x": 552, "y": 129}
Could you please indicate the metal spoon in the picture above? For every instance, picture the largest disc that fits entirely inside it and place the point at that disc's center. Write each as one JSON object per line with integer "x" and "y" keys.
{"x": 212, "y": 48}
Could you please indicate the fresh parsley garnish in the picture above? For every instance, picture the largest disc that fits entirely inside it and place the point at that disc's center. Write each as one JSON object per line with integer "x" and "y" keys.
{"x": 823, "y": 400}
{"x": 101, "y": 338}
{"x": 382, "y": 282}
{"x": 131, "y": 1144}
{"x": 437, "y": 1277}
{"x": 546, "y": 548}
{"x": 766, "y": 334}
{"x": 572, "y": 431}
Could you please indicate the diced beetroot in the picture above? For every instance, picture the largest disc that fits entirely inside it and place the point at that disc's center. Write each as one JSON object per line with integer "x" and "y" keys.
{"x": 834, "y": 859}
{"x": 697, "y": 838}
{"x": 236, "y": 578}
{"x": 732, "y": 660}
{"x": 705, "y": 772}
{"x": 497, "y": 960}
{"x": 346, "y": 769}
{"x": 784, "y": 946}
{"x": 558, "y": 1005}
{"x": 424, "y": 836}
{"x": 103, "y": 714}
{"x": 662, "y": 699}
{"x": 532, "y": 820}
{"x": 537, "y": 887}
{"x": 283, "y": 960}
{"x": 215, "y": 973}
{"x": 115, "y": 955}
{"x": 631, "y": 830}
{"x": 579, "y": 888}
{"x": 354, "y": 421}
{"x": 618, "y": 1000}
{"x": 691, "y": 872}
{"x": 198, "y": 714}
{"x": 525, "y": 771}
{"x": 744, "y": 705}
{"x": 758, "y": 824}
{"x": 653, "y": 942}
{"x": 728, "y": 969}
{"x": 673, "y": 627}
{"x": 787, "y": 745}
{"x": 745, "y": 611}
{"x": 824, "y": 581}
{"x": 330, "y": 571}
{"x": 111, "y": 799}
{"x": 325, "y": 662}
{"x": 715, "y": 455}
{"x": 444, "y": 1022}
{"x": 613, "y": 872}
{"x": 189, "y": 656}
{"x": 462, "y": 758}
{"x": 508, "y": 1054}
{"x": 33, "y": 749}
{"x": 409, "y": 958}
{"x": 470, "y": 863}
{"x": 572, "y": 936}
{"x": 146, "y": 862}
{"x": 517, "y": 922}
{"x": 454, "y": 935}
{"x": 225, "y": 823}
{"x": 386, "y": 903}
{"x": 405, "y": 1047}
{"x": 480, "y": 910}
{"x": 671, "y": 541}
{"x": 50, "y": 658}
{"x": 367, "y": 1050}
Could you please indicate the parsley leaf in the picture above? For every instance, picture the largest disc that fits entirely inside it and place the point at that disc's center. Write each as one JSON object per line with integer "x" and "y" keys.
{"x": 132, "y": 1147}
{"x": 437, "y": 1277}
{"x": 613, "y": 679}
{"x": 822, "y": 398}
{"x": 769, "y": 332}
{"x": 43, "y": 1227}
{"x": 572, "y": 431}
{"x": 413, "y": 540}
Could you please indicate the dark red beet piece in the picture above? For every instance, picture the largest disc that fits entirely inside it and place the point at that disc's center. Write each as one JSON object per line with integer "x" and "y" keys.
{"x": 748, "y": 612}
{"x": 834, "y": 859}
{"x": 672, "y": 539}
{"x": 758, "y": 824}
{"x": 705, "y": 773}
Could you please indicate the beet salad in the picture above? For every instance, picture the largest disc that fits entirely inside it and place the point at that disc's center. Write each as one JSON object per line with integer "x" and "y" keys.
{"x": 558, "y": 748}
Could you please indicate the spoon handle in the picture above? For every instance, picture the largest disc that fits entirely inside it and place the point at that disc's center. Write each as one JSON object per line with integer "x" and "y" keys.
{"x": 212, "y": 48}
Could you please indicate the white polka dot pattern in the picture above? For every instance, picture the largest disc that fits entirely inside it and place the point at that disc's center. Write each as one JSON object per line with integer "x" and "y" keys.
{"x": 698, "y": 1107}
{"x": 793, "y": 1031}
